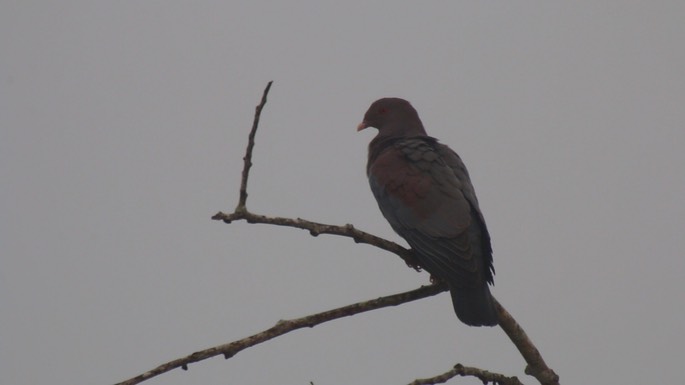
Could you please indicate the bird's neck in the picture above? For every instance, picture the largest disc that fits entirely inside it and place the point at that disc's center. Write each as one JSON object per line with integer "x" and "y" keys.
{"x": 391, "y": 133}
{"x": 404, "y": 128}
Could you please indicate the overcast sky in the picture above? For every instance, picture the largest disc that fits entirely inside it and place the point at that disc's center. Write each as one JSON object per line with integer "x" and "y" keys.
{"x": 122, "y": 130}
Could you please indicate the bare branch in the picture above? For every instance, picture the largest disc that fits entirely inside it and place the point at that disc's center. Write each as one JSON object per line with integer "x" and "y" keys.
{"x": 230, "y": 349}
{"x": 248, "y": 152}
{"x": 464, "y": 371}
{"x": 536, "y": 365}
{"x": 315, "y": 229}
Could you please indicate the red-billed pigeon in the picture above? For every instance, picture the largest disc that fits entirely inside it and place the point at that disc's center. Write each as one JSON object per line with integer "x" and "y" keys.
{"x": 424, "y": 191}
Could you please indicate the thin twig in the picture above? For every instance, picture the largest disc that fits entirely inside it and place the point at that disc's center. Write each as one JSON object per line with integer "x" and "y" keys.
{"x": 248, "y": 152}
{"x": 315, "y": 229}
{"x": 230, "y": 349}
{"x": 464, "y": 371}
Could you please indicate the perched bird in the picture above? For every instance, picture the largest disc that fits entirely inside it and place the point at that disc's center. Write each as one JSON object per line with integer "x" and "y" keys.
{"x": 424, "y": 191}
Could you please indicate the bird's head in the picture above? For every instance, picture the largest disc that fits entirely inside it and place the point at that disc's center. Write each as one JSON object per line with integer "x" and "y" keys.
{"x": 393, "y": 117}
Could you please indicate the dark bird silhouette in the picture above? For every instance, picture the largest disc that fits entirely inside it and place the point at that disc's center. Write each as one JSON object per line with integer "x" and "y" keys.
{"x": 424, "y": 191}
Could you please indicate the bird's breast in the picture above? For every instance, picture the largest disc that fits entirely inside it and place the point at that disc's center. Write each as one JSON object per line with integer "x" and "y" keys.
{"x": 401, "y": 181}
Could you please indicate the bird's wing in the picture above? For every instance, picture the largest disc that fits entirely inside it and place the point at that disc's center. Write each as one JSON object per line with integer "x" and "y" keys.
{"x": 478, "y": 229}
{"x": 423, "y": 198}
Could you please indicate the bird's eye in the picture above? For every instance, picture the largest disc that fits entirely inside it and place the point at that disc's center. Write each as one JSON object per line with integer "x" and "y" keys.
{"x": 382, "y": 110}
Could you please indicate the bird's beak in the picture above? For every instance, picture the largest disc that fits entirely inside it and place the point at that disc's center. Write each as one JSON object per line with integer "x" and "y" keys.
{"x": 362, "y": 126}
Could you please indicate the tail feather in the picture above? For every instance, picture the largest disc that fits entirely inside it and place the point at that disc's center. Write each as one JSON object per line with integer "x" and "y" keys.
{"x": 474, "y": 306}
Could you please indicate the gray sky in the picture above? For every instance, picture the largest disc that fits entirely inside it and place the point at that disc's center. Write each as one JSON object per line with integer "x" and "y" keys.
{"x": 123, "y": 125}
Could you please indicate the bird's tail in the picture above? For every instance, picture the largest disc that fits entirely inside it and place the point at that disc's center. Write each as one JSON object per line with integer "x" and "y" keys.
{"x": 474, "y": 306}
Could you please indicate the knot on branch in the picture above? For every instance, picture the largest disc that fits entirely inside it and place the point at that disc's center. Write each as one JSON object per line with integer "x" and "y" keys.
{"x": 544, "y": 375}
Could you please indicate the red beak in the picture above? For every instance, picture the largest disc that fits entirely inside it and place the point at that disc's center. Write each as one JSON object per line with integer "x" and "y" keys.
{"x": 362, "y": 126}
